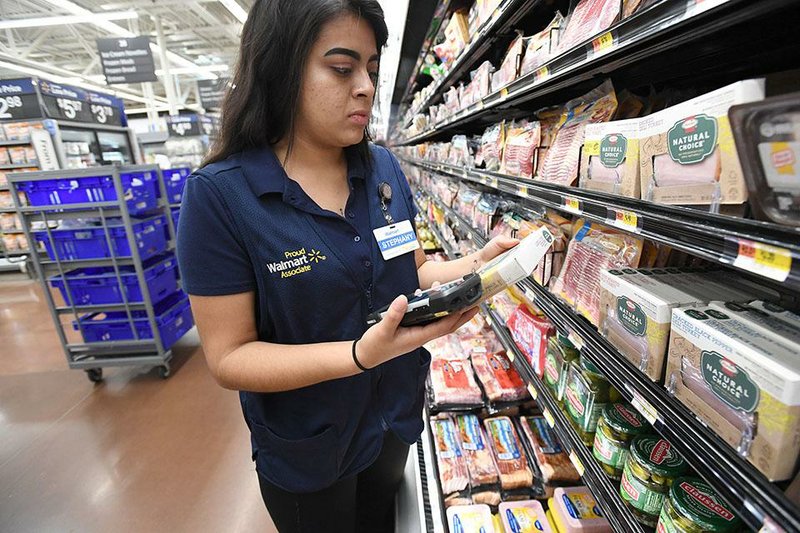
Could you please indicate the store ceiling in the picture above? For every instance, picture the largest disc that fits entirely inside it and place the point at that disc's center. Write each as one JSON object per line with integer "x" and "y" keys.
{"x": 202, "y": 37}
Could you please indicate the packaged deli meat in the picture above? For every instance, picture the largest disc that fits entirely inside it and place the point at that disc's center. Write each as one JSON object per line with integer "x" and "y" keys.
{"x": 531, "y": 333}
{"x": 687, "y": 154}
{"x": 508, "y": 453}
{"x": 492, "y": 143}
{"x": 540, "y": 48}
{"x": 453, "y": 383}
{"x": 470, "y": 519}
{"x": 526, "y": 516}
{"x": 781, "y": 331}
{"x": 589, "y": 18}
{"x": 742, "y": 382}
{"x": 453, "y": 474}
{"x": 594, "y": 248}
{"x": 499, "y": 378}
{"x": 575, "y": 510}
{"x": 553, "y": 462}
{"x": 767, "y": 137}
{"x": 475, "y": 448}
{"x": 610, "y": 158}
{"x": 522, "y": 140}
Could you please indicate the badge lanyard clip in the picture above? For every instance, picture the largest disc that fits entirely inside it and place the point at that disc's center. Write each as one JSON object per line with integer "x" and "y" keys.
{"x": 385, "y": 195}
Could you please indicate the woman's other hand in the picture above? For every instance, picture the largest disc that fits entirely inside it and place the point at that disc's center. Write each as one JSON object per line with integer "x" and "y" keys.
{"x": 495, "y": 247}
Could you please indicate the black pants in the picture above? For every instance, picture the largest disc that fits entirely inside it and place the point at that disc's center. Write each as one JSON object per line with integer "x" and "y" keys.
{"x": 362, "y": 503}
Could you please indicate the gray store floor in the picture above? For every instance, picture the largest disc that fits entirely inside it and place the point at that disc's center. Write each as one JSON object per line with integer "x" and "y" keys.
{"x": 135, "y": 453}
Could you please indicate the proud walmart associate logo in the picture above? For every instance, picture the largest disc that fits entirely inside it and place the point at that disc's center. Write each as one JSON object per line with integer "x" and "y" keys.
{"x": 296, "y": 262}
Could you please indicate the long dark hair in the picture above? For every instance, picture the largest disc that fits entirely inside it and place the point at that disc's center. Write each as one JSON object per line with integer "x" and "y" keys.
{"x": 260, "y": 106}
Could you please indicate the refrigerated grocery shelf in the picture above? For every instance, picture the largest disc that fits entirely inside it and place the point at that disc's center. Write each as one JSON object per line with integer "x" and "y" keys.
{"x": 19, "y": 165}
{"x": 666, "y": 26}
{"x": 722, "y": 239}
{"x": 16, "y": 142}
{"x": 760, "y": 503}
{"x": 430, "y": 37}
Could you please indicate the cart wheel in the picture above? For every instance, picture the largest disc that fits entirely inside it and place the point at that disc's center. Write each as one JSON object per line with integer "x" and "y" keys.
{"x": 164, "y": 371}
{"x": 95, "y": 375}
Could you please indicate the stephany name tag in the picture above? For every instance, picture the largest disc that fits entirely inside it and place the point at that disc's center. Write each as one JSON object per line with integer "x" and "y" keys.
{"x": 396, "y": 239}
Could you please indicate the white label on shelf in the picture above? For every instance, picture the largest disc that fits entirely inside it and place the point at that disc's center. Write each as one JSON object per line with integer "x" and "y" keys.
{"x": 533, "y": 391}
{"x": 643, "y": 406}
{"x": 625, "y": 220}
{"x": 522, "y": 190}
{"x": 549, "y": 417}
{"x": 510, "y": 355}
{"x": 765, "y": 260}
{"x": 529, "y": 294}
{"x": 577, "y": 340}
{"x": 577, "y": 462}
{"x": 573, "y": 205}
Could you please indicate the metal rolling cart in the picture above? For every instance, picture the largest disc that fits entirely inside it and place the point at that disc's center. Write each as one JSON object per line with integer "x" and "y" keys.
{"x": 116, "y": 269}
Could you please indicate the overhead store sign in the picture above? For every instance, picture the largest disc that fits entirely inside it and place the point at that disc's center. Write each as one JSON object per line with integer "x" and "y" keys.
{"x": 63, "y": 102}
{"x": 18, "y": 100}
{"x": 191, "y": 126}
{"x": 127, "y": 60}
{"x": 212, "y": 92}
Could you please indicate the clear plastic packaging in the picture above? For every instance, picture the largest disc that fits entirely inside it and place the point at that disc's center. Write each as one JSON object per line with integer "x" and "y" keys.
{"x": 553, "y": 462}
{"x": 541, "y": 47}
{"x": 475, "y": 448}
{"x": 492, "y": 144}
{"x": 522, "y": 140}
{"x": 508, "y": 453}
{"x": 453, "y": 475}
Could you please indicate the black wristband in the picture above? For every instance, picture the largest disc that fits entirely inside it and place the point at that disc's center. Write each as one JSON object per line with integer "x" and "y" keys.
{"x": 355, "y": 358}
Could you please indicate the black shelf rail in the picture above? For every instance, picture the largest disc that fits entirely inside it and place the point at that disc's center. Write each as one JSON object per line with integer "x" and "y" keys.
{"x": 503, "y": 20}
{"x": 665, "y": 26}
{"x": 604, "y": 489}
{"x": 759, "y": 502}
{"x": 769, "y": 251}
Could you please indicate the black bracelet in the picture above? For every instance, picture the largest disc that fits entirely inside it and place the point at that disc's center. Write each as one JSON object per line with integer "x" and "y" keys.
{"x": 355, "y": 358}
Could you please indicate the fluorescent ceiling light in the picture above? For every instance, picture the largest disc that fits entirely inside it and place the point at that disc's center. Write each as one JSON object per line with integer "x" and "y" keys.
{"x": 194, "y": 70}
{"x": 67, "y": 19}
{"x": 235, "y": 9}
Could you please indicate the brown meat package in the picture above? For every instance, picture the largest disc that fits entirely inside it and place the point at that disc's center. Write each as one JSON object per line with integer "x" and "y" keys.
{"x": 453, "y": 474}
{"x": 508, "y": 453}
{"x": 550, "y": 456}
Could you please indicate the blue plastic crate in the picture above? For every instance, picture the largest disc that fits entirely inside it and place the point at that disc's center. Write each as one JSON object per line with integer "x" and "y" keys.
{"x": 174, "y": 181}
{"x": 99, "y": 285}
{"x": 91, "y": 243}
{"x": 173, "y": 318}
{"x": 141, "y": 190}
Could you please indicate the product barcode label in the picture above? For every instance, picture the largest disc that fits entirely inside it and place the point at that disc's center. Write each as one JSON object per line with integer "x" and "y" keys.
{"x": 522, "y": 190}
{"x": 573, "y": 205}
{"x": 549, "y": 417}
{"x": 763, "y": 259}
{"x": 644, "y": 407}
{"x": 625, "y": 220}
{"x": 577, "y": 462}
{"x": 603, "y": 43}
{"x": 533, "y": 391}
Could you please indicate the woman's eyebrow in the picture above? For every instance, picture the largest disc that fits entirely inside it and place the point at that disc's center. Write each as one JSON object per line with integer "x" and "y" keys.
{"x": 350, "y": 53}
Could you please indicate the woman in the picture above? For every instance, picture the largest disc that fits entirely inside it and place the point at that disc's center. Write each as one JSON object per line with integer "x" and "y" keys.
{"x": 277, "y": 250}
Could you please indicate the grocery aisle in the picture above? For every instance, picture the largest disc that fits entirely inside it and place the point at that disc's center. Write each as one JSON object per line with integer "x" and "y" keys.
{"x": 134, "y": 453}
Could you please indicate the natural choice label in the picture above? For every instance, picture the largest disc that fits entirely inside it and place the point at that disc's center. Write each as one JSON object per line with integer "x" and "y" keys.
{"x": 631, "y": 316}
{"x": 729, "y": 383}
{"x": 612, "y": 150}
{"x": 692, "y": 139}
{"x": 639, "y": 496}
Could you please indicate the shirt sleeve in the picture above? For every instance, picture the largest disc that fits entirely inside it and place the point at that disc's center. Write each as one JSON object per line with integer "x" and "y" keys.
{"x": 212, "y": 258}
{"x": 404, "y": 187}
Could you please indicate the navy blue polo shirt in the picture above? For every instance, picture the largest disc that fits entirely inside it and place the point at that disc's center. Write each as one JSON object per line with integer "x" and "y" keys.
{"x": 246, "y": 226}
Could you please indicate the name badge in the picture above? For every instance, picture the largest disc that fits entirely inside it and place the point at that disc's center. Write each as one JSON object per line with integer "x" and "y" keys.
{"x": 396, "y": 239}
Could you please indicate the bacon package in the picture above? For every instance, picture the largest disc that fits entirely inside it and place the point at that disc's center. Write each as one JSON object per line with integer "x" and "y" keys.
{"x": 498, "y": 376}
{"x": 475, "y": 448}
{"x": 453, "y": 383}
{"x": 541, "y": 47}
{"x": 508, "y": 453}
{"x": 509, "y": 68}
{"x": 531, "y": 333}
{"x": 522, "y": 141}
{"x": 589, "y": 18}
{"x": 593, "y": 249}
{"x": 453, "y": 474}
{"x": 492, "y": 144}
{"x": 553, "y": 462}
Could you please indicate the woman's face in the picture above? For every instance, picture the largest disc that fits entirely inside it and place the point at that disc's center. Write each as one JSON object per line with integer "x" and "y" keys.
{"x": 338, "y": 84}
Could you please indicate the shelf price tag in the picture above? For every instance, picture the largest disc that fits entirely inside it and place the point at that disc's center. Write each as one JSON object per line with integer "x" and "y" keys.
{"x": 530, "y": 295}
{"x": 603, "y": 44}
{"x": 522, "y": 190}
{"x": 625, "y": 220}
{"x": 577, "y": 463}
{"x": 503, "y": 94}
{"x": 549, "y": 417}
{"x": 769, "y": 261}
{"x": 511, "y": 356}
{"x": 494, "y": 184}
{"x": 573, "y": 205}
{"x": 576, "y": 340}
{"x": 533, "y": 391}
{"x": 644, "y": 407}
{"x": 541, "y": 74}
{"x": 481, "y": 105}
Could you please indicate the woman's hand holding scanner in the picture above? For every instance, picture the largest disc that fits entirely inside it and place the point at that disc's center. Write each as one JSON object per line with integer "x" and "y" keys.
{"x": 387, "y": 339}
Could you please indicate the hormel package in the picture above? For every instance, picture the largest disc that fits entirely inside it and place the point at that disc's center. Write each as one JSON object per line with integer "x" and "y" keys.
{"x": 635, "y": 316}
{"x": 687, "y": 154}
{"x": 743, "y": 383}
{"x": 778, "y": 312}
{"x": 515, "y": 264}
{"x": 764, "y": 322}
{"x": 610, "y": 158}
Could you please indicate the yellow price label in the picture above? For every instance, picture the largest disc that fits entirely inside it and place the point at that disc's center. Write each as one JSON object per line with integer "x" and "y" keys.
{"x": 627, "y": 220}
{"x": 533, "y": 391}
{"x": 549, "y": 417}
{"x": 577, "y": 462}
{"x": 542, "y": 73}
{"x": 591, "y": 148}
{"x": 503, "y": 94}
{"x": 603, "y": 43}
{"x": 494, "y": 183}
{"x": 766, "y": 260}
{"x": 523, "y": 191}
{"x": 481, "y": 105}
{"x": 488, "y": 320}
{"x": 511, "y": 356}
{"x": 573, "y": 205}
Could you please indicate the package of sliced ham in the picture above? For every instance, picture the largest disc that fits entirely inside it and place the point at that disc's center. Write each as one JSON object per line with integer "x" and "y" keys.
{"x": 589, "y": 18}
{"x": 508, "y": 453}
{"x": 553, "y": 462}
{"x": 531, "y": 333}
{"x": 522, "y": 140}
{"x": 453, "y": 475}
{"x": 499, "y": 378}
{"x": 475, "y": 448}
{"x": 453, "y": 384}
{"x": 593, "y": 249}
